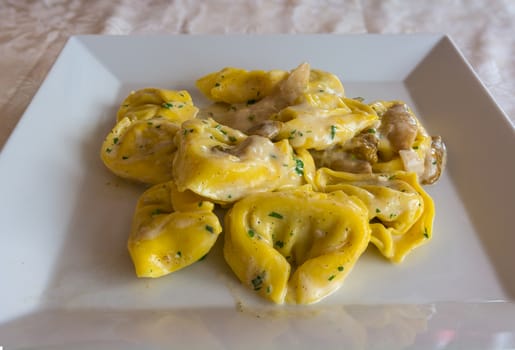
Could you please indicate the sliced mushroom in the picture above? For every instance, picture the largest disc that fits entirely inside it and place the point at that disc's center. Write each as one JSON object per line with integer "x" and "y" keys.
{"x": 399, "y": 127}
{"x": 336, "y": 158}
{"x": 268, "y": 128}
{"x": 435, "y": 161}
{"x": 364, "y": 147}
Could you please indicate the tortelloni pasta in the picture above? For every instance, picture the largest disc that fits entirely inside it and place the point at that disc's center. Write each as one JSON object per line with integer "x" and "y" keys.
{"x": 141, "y": 145}
{"x": 170, "y": 230}
{"x": 400, "y": 212}
{"x": 292, "y": 253}
{"x": 225, "y": 165}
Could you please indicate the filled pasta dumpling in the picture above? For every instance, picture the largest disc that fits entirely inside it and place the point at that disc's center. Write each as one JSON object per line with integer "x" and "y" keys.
{"x": 141, "y": 145}
{"x": 400, "y": 212}
{"x": 170, "y": 230}
{"x": 224, "y": 164}
{"x": 295, "y": 253}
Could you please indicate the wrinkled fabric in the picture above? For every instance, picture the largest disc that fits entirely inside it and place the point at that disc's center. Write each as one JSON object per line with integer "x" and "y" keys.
{"x": 32, "y": 33}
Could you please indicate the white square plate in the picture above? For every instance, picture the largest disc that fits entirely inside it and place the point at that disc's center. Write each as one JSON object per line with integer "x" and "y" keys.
{"x": 67, "y": 280}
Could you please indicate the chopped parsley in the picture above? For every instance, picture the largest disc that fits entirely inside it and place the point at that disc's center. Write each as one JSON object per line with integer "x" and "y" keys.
{"x": 156, "y": 212}
{"x": 115, "y": 140}
{"x": 426, "y": 235}
{"x": 209, "y": 228}
{"x": 166, "y": 105}
{"x": 178, "y": 254}
{"x": 359, "y": 98}
{"x": 331, "y": 278}
{"x": 333, "y": 131}
{"x": 232, "y": 139}
{"x": 257, "y": 282}
{"x": 279, "y": 244}
{"x": 299, "y": 167}
{"x": 371, "y": 131}
{"x": 125, "y": 157}
{"x": 251, "y": 232}
{"x": 275, "y": 214}
{"x": 108, "y": 150}
{"x": 340, "y": 268}
{"x": 378, "y": 210}
{"x": 217, "y": 84}
{"x": 219, "y": 128}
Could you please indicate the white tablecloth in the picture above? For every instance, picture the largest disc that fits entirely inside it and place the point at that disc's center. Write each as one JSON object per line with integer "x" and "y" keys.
{"x": 32, "y": 33}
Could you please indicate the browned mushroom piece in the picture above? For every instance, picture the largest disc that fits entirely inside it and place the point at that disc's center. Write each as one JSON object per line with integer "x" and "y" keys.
{"x": 336, "y": 158}
{"x": 268, "y": 128}
{"x": 399, "y": 127}
{"x": 364, "y": 147}
{"x": 435, "y": 161}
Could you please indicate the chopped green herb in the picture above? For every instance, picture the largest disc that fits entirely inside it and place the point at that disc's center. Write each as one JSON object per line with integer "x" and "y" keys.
{"x": 415, "y": 147}
{"x": 251, "y": 232}
{"x": 180, "y": 106}
{"x": 229, "y": 196}
{"x": 125, "y": 157}
{"x": 371, "y": 131}
{"x": 217, "y": 84}
{"x": 166, "y": 105}
{"x": 251, "y": 102}
{"x": 257, "y": 282}
{"x": 232, "y": 139}
{"x": 200, "y": 204}
{"x": 156, "y": 212}
{"x": 359, "y": 98}
{"x": 219, "y": 128}
{"x": 158, "y": 126}
{"x": 426, "y": 235}
{"x": 321, "y": 90}
{"x": 333, "y": 131}
{"x": 209, "y": 229}
{"x": 275, "y": 215}
{"x": 340, "y": 268}
{"x": 279, "y": 244}
{"x": 115, "y": 140}
{"x": 178, "y": 254}
{"x": 299, "y": 167}
{"x": 331, "y": 278}
{"x": 268, "y": 289}
{"x": 378, "y": 210}
{"x": 108, "y": 150}
{"x": 433, "y": 162}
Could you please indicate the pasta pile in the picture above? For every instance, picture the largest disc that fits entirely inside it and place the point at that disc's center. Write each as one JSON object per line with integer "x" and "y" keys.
{"x": 308, "y": 178}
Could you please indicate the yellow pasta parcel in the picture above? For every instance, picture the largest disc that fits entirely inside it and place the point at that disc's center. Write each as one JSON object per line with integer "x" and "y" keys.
{"x": 401, "y": 213}
{"x": 224, "y": 165}
{"x": 295, "y": 253}
{"x": 174, "y": 105}
{"x": 169, "y": 234}
{"x": 235, "y": 85}
{"x": 141, "y": 145}
{"x": 141, "y": 150}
